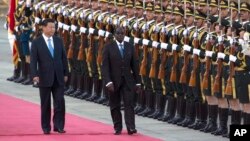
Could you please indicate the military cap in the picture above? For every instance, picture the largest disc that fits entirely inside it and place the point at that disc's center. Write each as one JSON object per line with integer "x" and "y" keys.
{"x": 104, "y": 1}
{"x": 189, "y": 12}
{"x": 202, "y": 2}
{"x": 200, "y": 15}
{"x": 139, "y": 4}
{"x": 245, "y": 6}
{"x": 178, "y": 10}
{"x": 213, "y": 3}
{"x": 168, "y": 9}
{"x": 223, "y": 4}
{"x": 120, "y": 2}
{"x": 157, "y": 7}
{"x": 234, "y": 5}
{"x": 130, "y": 4}
{"x": 149, "y": 5}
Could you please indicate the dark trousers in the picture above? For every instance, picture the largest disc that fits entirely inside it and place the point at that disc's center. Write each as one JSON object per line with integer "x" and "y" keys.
{"x": 115, "y": 106}
{"x": 58, "y": 103}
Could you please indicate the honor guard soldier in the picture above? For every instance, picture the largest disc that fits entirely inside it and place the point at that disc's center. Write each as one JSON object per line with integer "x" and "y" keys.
{"x": 147, "y": 29}
{"x": 18, "y": 71}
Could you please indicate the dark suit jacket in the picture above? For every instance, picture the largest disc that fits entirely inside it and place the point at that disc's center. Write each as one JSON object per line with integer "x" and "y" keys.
{"x": 113, "y": 66}
{"x": 44, "y": 65}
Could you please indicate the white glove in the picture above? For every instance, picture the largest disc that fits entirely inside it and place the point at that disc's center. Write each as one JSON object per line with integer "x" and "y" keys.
{"x": 164, "y": 30}
{"x": 155, "y": 44}
{"x": 136, "y": 40}
{"x": 37, "y": 20}
{"x": 90, "y": 17}
{"x": 101, "y": 32}
{"x": 82, "y": 15}
{"x": 66, "y": 27}
{"x": 174, "y": 46}
{"x": 174, "y": 32}
{"x": 164, "y": 45}
{"x": 209, "y": 53}
{"x": 109, "y": 20}
{"x": 125, "y": 23}
{"x": 115, "y": 21}
{"x": 195, "y": 35}
{"x": 36, "y": 7}
{"x": 220, "y": 39}
{"x": 186, "y": 32}
{"x": 232, "y": 58}
{"x": 135, "y": 26}
{"x": 99, "y": 18}
{"x": 65, "y": 13}
{"x": 207, "y": 37}
{"x": 83, "y": 30}
{"x": 107, "y": 34}
{"x": 16, "y": 28}
{"x": 73, "y": 28}
{"x": 156, "y": 28}
{"x": 145, "y": 42}
{"x": 196, "y": 51}
{"x": 34, "y": 28}
{"x": 44, "y": 8}
{"x": 126, "y": 39}
{"x": 73, "y": 14}
{"x": 5, "y": 26}
{"x": 91, "y": 30}
{"x": 241, "y": 41}
{"x": 52, "y": 10}
{"x": 221, "y": 55}
{"x": 145, "y": 27}
{"x": 60, "y": 24}
{"x": 246, "y": 36}
{"x": 59, "y": 10}
{"x": 187, "y": 48}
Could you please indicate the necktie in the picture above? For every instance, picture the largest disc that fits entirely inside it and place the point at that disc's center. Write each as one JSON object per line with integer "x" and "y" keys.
{"x": 51, "y": 49}
{"x": 121, "y": 49}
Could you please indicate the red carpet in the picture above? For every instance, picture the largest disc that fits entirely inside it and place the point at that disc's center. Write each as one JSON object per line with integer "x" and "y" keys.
{"x": 20, "y": 121}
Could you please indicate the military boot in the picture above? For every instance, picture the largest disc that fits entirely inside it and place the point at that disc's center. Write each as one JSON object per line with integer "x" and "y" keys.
{"x": 223, "y": 118}
{"x": 28, "y": 80}
{"x": 16, "y": 72}
{"x": 79, "y": 81}
{"x": 23, "y": 76}
{"x": 212, "y": 119}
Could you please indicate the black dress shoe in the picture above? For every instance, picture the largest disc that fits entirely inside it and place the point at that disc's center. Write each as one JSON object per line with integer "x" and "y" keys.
{"x": 46, "y": 132}
{"x": 132, "y": 131}
{"x": 59, "y": 130}
{"x": 117, "y": 132}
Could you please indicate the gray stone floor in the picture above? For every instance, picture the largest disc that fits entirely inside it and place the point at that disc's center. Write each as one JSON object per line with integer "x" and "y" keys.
{"x": 150, "y": 127}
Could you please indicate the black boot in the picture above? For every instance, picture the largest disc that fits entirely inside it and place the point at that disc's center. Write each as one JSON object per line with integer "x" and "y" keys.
{"x": 201, "y": 116}
{"x": 223, "y": 116}
{"x": 190, "y": 115}
{"x": 156, "y": 106}
{"x": 71, "y": 88}
{"x": 170, "y": 109}
{"x": 180, "y": 110}
{"x": 235, "y": 120}
{"x": 247, "y": 119}
{"x": 16, "y": 72}
{"x": 142, "y": 102}
{"x": 162, "y": 103}
{"x": 96, "y": 93}
{"x": 28, "y": 80}
{"x": 212, "y": 121}
{"x": 88, "y": 87}
{"x": 23, "y": 73}
{"x": 148, "y": 109}
{"x": 78, "y": 91}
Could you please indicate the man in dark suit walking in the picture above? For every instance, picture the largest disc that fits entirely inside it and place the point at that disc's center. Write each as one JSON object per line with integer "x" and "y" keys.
{"x": 121, "y": 75}
{"x": 49, "y": 68}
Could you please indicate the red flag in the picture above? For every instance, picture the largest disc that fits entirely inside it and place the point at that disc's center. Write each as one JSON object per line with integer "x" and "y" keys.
{"x": 11, "y": 19}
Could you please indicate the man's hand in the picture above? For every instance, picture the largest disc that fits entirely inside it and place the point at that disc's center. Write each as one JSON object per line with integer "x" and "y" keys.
{"x": 65, "y": 79}
{"x": 138, "y": 89}
{"x": 36, "y": 80}
{"x": 111, "y": 88}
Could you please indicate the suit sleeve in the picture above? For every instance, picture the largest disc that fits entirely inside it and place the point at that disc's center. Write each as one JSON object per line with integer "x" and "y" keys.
{"x": 64, "y": 60}
{"x": 106, "y": 65}
{"x": 33, "y": 59}
{"x": 135, "y": 66}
